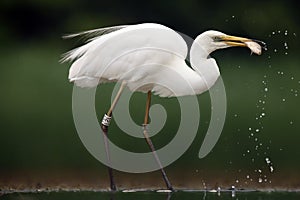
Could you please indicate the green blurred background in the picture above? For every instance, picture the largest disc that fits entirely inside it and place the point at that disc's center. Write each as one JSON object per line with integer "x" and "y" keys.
{"x": 38, "y": 137}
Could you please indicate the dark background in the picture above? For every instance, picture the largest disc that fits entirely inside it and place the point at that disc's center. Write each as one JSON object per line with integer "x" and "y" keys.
{"x": 37, "y": 131}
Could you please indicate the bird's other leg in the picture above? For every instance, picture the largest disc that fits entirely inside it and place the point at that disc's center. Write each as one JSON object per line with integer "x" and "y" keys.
{"x": 149, "y": 142}
{"x": 104, "y": 126}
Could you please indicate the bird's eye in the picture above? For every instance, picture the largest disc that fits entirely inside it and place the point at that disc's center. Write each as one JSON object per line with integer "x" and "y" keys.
{"x": 216, "y": 39}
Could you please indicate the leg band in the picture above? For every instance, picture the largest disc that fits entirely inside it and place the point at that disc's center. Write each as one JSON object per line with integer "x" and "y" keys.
{"x": 106, "y": 120}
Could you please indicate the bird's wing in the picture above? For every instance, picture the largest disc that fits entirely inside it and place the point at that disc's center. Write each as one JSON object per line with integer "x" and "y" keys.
{"x": 90, "y": 34}
{"x": 133, "y": 54}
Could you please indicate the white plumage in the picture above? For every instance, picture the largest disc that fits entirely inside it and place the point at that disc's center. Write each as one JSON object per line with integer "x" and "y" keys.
{"x": 148, "y": 57}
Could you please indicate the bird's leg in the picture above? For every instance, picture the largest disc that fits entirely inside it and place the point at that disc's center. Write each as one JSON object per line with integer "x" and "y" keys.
{"x": 149, "y": 142}
{"x": 104, "y": 126}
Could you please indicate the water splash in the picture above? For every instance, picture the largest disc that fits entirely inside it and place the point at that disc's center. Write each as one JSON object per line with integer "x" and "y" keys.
{"x": 258, "y": 153}
{"x": 255, "y": 132}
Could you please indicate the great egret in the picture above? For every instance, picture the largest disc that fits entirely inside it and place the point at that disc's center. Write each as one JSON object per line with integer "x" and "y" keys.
{"x": 149, "y": 58}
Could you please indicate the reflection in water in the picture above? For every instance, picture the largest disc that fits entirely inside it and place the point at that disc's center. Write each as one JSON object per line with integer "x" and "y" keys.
{"x": 161, "y": 194}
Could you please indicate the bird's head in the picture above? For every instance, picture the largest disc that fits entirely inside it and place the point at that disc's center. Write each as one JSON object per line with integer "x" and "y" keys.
{"x": 213, "y": 40}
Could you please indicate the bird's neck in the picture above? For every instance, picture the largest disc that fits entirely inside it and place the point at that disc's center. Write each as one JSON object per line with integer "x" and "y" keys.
{"x": 205, "y": 67}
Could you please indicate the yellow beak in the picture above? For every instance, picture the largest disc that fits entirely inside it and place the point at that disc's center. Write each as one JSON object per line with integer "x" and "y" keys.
{"x": 235, "y": 41}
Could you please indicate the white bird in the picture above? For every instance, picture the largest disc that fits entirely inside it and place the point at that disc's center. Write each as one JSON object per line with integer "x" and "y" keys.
{"x": 149, "y": 58}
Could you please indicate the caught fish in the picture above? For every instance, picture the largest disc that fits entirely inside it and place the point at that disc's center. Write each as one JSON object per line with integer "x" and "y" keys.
{"x": 254, "y": 47}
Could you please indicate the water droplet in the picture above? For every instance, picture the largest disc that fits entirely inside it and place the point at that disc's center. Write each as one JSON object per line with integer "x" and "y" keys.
{"x": 267, "y": 160}
{"x": 275, "y": 50}
{"x": 273, "y": 32}
{"x": 286, "y": 32}
{"x": 263, "y": 114}
{"x": 283, "y": 99}
{"x": 271, "y": 169}
{"x": 232, "y": 16}
{"x": 279, "y": 31}
{"x": 249, "y": 129}
{"x": 259, "y": 170}
{"x": 237, "y": 181}
{"x": 260, "y": 180}
{"x": 248, "y": 151}
{"x": 247, "y": 176}
{"x": 266, "y": 89}
{"x": 257, "y": 130}
{"x": 291, "y": 122}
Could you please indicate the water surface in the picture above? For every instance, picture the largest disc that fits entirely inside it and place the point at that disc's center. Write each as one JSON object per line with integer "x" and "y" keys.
{"x": 147, "y": 195}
